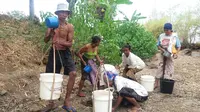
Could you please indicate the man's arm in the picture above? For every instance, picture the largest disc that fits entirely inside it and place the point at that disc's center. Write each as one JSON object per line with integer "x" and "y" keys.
{"x": 119, "y": 100}
{"x": 123, "y": 61}
{"x": 49, "y": 34}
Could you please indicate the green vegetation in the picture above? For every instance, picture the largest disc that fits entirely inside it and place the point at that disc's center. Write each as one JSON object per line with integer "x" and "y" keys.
{"x": 97, "y": 19}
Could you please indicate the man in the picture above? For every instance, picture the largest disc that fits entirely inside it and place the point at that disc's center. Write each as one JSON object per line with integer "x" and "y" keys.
{"x": 168, "y": 43}
{"x": 62, "y": 38}
{"x": 132, "y": 63}
{"x": 127, "y": 89}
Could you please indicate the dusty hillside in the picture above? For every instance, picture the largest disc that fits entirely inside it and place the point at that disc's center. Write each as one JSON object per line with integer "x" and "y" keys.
{"x": 17, "y": 44}
{"x": 19, "y": 76}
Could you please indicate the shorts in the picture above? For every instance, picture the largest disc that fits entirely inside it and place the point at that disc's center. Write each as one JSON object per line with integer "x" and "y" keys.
{"x": 128, "y": 92}
{"x": 63, "y": 59}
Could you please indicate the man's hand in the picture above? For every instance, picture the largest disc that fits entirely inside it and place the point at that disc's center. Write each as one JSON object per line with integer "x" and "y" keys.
{"x": 49, "y": 34}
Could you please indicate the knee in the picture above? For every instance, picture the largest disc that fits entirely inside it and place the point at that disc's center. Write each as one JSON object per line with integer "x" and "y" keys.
{"x": 72, "y": 74}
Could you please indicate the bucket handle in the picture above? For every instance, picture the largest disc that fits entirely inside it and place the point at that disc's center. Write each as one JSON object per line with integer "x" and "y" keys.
{"x": 109, "y": 89}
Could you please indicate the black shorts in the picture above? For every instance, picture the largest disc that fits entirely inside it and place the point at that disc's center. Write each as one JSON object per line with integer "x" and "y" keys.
{"x": 63, "y": 58}
{"x": 128, "y": 92}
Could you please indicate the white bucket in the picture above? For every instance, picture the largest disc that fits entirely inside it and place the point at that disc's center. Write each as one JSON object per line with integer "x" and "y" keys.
{"x": 46, "y": 81}
{"x": 101, "y": 101}
{"x": 148, "y": 82}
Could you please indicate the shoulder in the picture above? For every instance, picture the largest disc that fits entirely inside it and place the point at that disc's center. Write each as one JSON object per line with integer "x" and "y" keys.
{"x": 87, "y": 45}
{"x": 133, "y": 55}
{"x": 162, "y": 35}
{"x": 70, "y": 26}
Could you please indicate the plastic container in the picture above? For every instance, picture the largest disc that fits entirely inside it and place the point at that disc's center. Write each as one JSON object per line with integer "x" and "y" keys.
{"x": 167, "y": 54}
{"x": 87, "y": 69}
{"x": 166, "y": 86}
{"x": 148, "y": 82}
{"x": 52, "y": 22}
{"x": 102, "y": 102}
{"x": 46, "y": 81}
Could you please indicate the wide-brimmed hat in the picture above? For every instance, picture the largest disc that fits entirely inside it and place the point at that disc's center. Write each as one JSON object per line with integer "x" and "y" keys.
{"x": 62, "y": 7}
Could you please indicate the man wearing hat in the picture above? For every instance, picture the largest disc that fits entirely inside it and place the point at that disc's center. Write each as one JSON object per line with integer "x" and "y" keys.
{"x": 169, "y": 45}
{"x": 62, "y": 38}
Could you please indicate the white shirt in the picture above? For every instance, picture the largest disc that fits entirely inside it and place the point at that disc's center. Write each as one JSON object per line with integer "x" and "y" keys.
{"x": 132, "y": 61}
{"x": 108, "y": 68}
{"x": 121, "y": 82}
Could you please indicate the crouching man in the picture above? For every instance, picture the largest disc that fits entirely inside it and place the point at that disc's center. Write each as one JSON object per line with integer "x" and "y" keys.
{"x": 127, "y": 89}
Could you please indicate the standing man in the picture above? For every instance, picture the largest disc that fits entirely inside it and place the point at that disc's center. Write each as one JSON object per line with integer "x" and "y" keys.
{"x": 168, "y": 43}
{"x": 62, "y": 38}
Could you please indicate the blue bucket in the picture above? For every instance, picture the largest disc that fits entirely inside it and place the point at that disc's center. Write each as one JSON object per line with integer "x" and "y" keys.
{"x": 87, "y": 69}
{"x": 52, "y": 22}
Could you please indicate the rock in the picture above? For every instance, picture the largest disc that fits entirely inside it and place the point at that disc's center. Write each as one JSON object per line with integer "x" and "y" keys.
{"x": 195, "y": 54}
{"x": 3, "y": 92}
{"x": 153, "y": 66}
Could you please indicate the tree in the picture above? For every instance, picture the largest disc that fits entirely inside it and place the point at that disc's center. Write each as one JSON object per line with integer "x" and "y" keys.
{"x": 155, "y": 26}
{"x": 31, "y": 9}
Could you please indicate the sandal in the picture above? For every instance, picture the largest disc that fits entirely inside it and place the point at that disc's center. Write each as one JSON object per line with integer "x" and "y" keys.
{"x": 81, "y": 94}
{"x": 69, "y": 109}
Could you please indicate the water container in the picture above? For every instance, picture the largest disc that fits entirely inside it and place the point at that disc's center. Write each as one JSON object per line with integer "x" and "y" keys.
{"x": 52, "y": 22}
{"x": 166, "y": 86}
{"x": 46, "y": 81}
{"x": 102, "y": 101}
{"x": 87, "y": 69}
{"x": 148, "y": 82}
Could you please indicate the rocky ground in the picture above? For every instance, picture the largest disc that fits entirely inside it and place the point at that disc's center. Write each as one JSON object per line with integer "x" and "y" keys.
{"x": 20, "y": 90}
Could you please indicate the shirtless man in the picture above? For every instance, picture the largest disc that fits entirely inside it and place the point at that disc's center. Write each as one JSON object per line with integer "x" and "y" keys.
{"x": 62, "y": 41}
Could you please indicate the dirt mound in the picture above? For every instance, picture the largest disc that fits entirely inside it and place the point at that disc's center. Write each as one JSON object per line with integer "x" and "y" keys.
{"x": 17, "y": 53}
{"x": 17, "y": 44}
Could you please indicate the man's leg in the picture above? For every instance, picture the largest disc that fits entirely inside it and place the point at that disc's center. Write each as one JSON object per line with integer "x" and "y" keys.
{"x": 131, "y": 74}
{"x": 133, "y": 101}
{"x": 70, "y": 85}
{"x": 125, "y": 72}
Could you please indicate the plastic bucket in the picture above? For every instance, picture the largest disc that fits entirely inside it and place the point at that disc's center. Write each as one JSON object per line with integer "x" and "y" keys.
{"x": 167, "y": 54}
{"x": 52, "y": 22}
{"x": 46, "y": 81}
{"x": 87, "y": 69}
{"x": 101, "y": 101}
{"x": 148, "y": 82}
{"x": 166, "y": 86}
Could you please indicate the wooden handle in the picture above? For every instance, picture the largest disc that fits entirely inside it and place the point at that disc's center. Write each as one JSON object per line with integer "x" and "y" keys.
{"x": 54, "y": 70}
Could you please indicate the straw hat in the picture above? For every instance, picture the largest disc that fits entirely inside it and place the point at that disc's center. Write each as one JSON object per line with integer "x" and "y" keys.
{"x": 62, "y": 7}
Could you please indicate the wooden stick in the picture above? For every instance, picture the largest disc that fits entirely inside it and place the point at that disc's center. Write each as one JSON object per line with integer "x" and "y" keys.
{"x": 54, "y": 70}
{"x": 108, "y": 87}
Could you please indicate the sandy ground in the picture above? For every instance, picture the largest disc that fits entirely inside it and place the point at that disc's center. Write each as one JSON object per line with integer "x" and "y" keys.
{"x": 20, "y": 90}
